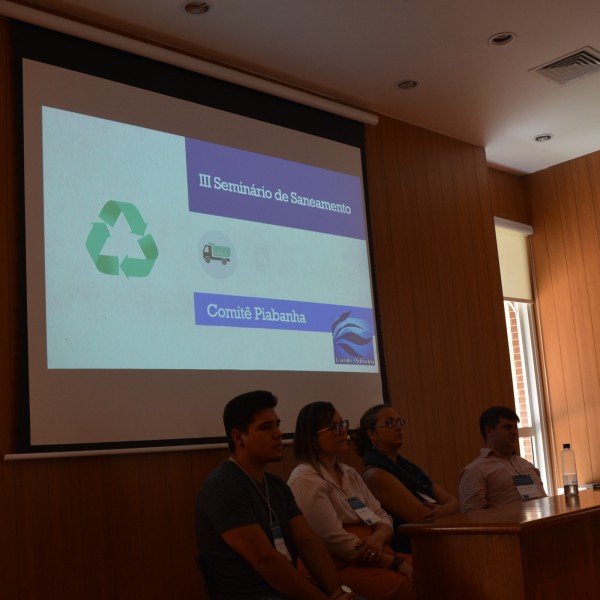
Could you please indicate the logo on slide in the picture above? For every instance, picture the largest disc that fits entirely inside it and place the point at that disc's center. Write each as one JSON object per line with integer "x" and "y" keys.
{"x": 100, "y": 234}
{"x": 213, "y": 252}
{"x": 217, "y": 254}
{"x": 353, "y": 341}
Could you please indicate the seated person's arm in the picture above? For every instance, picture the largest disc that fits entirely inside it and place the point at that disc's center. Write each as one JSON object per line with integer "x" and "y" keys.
{"x": 394, "y": 496}
{"x": 371, "y": 548}
{"x": 314, "y": 554}
{"x": 472, "y": 491}
{"x": 251, "y": 542}
{"x": 312, "y": 498}
{"x": 373, "y": 555}
{"x": 447, "y": 504}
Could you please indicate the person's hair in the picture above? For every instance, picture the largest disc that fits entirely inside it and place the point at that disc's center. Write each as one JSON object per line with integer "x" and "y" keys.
{"x": 360, "y": 436}
{"x": 311, "y": 418}
{"x": 491, "y": 417}
{"x": 241, "y": 410}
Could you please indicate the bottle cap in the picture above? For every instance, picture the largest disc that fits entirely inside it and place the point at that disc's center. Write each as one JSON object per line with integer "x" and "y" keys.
{"x": 566, "y": 446}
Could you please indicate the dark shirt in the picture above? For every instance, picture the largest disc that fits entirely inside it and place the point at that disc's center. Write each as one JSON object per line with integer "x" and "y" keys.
{"x": 230, "y": 499}
{"x": 414, "y": 479}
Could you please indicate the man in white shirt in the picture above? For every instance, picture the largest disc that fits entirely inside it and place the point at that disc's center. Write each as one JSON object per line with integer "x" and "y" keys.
{"x": 499, "y": 476}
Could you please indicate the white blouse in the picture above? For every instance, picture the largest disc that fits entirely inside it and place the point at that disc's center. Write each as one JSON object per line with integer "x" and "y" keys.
{"x": 326, "y": 507}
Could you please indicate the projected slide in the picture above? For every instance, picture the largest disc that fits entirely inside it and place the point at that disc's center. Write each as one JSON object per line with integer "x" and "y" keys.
{"x": 179, "y": 254}
{"x": 167, "y": 252}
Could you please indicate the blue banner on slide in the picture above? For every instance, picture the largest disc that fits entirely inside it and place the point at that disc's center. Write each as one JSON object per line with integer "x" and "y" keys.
{"x": 245, "y": 185}
{"x": 351, "y": 327}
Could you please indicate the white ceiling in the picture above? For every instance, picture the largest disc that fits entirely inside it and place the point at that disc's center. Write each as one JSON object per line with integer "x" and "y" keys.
{"x": 357, "y": 51}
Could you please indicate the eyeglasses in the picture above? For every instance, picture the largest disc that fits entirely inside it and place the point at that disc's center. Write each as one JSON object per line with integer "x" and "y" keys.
{"x": 336, "y": 428}
{"x": 391, "y": 423}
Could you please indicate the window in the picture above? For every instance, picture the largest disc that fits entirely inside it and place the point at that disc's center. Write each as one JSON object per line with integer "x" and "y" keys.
{"x": 524, "y": 363}
{"x": 513, "y": 253}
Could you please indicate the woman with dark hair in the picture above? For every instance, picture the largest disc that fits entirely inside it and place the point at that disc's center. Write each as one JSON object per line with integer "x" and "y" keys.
{"x": 403, "y": 489}
{"x": 341, "y": 509}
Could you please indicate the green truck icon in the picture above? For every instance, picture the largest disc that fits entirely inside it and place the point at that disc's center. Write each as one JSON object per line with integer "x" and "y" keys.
{"x": 213, "y": 252}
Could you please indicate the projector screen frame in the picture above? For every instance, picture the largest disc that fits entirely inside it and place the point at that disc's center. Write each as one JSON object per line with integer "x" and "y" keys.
{"x": 30, "y": 42}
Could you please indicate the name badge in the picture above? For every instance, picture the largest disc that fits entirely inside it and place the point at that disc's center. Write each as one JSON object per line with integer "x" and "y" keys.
{"x": 427, "y": 498}
{"x": 526, "y": 487}
{"x": 279, "y": 541}
{"x": 364, "y": 512}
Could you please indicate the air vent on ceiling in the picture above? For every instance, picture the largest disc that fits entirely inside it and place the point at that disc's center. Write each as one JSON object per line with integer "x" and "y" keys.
{"x": 571, "y": 67}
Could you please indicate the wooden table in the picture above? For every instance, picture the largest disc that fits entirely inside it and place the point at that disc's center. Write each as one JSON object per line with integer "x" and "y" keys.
{"x": 545, "y": 548}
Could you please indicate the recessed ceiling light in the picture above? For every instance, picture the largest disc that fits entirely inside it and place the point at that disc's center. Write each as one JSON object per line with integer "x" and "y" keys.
{"x": 501, "y": 39}
{"x": 197, "y": 8}
{"x": 543, "y": 137}
{"x": 407, "y": 84}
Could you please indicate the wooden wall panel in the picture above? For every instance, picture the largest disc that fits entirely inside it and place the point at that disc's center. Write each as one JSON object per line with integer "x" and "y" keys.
{"x": 439, "y": 293}
{"x": 547, "y": 327}
{"x": 566, "y": 368}
{"x": 508, "y": 196}
{"x": 565, "y": 325}
{"x": 34, "y": 545}
{"x": 154, "y": 507}
{"x": 98, "y": 543}
{"x": 591, "y": 244}
{"x": 181, "y": 495}
{"x": 582, "y": 362}
{"x": 9, "y": 346}
{"x": 66, "y": 529}
{"x": 564, "y": 205}
{"x": 121, "y": 527}
{"x": 453, "y": 273}
{"x": 441, "y": 411}
{"x": 126, "y": 528}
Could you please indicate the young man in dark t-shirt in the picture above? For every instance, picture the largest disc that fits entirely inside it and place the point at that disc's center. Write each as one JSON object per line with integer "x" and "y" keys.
{"x": 249, "y": 529}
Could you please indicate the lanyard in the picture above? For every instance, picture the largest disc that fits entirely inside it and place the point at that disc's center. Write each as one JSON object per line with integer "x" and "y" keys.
{"x": 265, "y": 498}
{"x": 274, "y": 525}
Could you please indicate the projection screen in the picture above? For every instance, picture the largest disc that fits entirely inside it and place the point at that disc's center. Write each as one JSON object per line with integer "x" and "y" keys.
{"x": 179, "y": 254}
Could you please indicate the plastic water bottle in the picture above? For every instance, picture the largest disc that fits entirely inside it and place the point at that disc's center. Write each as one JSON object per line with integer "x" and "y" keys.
{"x": 569, "y": 470}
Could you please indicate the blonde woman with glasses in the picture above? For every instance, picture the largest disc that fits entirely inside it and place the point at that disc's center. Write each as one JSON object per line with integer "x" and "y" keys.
{"x": 404, "y": 490}
{"x": 342, "y": 511}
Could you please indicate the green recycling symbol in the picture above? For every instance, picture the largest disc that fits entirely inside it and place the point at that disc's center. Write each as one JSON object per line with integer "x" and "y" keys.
{"x": 100, "y": 233}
